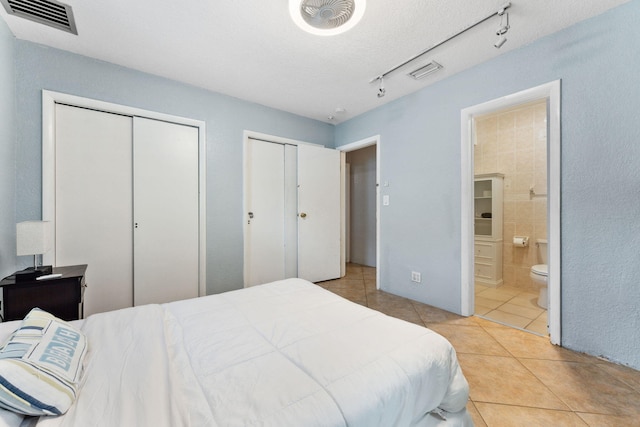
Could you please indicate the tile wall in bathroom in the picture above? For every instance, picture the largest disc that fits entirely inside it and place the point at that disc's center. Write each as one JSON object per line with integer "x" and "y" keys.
{"x": 514, "y": 143}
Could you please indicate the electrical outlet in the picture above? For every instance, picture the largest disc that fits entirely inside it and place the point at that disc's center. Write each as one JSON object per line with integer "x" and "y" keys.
{"x": 416, "y": 277}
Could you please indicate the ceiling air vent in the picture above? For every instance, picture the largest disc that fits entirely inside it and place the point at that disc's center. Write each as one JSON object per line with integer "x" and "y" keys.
{"x": 48, "y": 12}
{"x": 424, "y": 71}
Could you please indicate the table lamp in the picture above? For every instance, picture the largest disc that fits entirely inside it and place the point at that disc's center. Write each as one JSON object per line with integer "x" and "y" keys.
{"x": 34, "y": 238}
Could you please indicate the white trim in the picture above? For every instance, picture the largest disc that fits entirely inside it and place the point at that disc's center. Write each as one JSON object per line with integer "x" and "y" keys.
{"x": 366, "y": 142}
{"x": 551, "y": 92}
{"x": 345, "y": 207}
{"x": 50, "y": 99}
{"x": 363, "y": 143}
{"x": 276, "y": 139}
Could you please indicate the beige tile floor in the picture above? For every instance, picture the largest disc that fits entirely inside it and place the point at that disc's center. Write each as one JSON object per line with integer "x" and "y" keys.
{"x": 511, "y": 306}
{"x": 516, "y": 378}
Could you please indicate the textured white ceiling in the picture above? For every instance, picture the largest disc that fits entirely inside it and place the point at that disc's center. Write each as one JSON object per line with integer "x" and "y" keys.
{"x": 251, "y": 49}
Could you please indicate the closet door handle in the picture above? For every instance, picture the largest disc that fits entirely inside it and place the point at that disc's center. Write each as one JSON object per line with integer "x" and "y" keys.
{"x": 303, "y": 215}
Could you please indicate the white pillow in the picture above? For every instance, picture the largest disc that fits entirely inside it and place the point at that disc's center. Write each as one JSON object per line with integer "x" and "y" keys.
{"x": 41, "y": 366}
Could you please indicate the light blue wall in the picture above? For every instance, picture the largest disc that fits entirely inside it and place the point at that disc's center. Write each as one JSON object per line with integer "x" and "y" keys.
{"x": 7, "y": 154}
{"x": 39, "y": 68}
{"x": 598, "y": 62}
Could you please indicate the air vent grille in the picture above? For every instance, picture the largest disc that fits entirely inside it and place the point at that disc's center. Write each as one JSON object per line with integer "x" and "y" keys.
{"x": 49, "y": 12}
{"x": 425, "y": 70}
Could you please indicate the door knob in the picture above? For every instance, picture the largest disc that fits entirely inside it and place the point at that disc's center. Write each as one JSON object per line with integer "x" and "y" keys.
{"x": 251, "y": 215}
{"x": 303, "y": 215}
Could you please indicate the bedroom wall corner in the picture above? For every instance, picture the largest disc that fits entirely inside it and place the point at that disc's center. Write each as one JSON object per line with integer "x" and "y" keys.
{"x": 7, "y": 152}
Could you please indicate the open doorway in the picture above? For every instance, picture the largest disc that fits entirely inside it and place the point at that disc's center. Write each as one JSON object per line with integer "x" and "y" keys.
{"x": 360, "y": 166}
{"x": 545, "y": 101}
{"x": 361, "y": 206}
{"x": 510, "y": 216}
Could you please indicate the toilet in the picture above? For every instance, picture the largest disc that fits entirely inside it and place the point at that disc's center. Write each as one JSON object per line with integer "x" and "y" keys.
{"x": 540, "y": 272}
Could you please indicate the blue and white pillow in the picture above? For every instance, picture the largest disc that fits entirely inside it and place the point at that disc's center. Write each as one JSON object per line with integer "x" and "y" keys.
{"x": 41, "y": 366}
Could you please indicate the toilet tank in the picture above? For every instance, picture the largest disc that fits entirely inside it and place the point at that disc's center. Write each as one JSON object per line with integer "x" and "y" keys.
{"x": 542, "y": 250}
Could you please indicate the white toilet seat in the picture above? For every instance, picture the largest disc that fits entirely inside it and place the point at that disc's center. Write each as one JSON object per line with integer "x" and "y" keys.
{"x": 540, "y": 269}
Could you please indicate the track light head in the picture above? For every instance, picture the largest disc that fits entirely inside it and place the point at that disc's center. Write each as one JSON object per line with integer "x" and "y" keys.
{"x": 381, "y": 90}
{"x": 501, "y": 40}
{"x": 502, "y": 30}
{"x": 504, "y": 26}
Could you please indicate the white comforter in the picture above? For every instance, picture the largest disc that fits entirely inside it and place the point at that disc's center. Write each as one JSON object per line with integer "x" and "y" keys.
{"x": 287, "y": 353}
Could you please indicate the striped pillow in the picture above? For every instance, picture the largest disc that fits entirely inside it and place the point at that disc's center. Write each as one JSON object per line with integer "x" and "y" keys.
{"x": 41, "y": 366}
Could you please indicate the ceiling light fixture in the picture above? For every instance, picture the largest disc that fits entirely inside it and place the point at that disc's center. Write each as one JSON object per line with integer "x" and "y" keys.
{"x": 424, "y": 71}
{"x": 326, "y": 17}
{"x": 500, "y": 12}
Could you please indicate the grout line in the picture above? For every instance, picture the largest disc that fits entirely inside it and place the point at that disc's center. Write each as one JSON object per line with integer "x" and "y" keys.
{"x": 545, "y": 385}
{"x": 496, "y": 340}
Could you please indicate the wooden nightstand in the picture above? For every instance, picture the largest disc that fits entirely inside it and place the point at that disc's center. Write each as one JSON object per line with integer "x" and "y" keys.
{"x": 62, "y": 296}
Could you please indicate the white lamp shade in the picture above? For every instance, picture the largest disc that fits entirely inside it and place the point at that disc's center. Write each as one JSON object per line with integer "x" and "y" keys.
{"x": 33, "y": 237}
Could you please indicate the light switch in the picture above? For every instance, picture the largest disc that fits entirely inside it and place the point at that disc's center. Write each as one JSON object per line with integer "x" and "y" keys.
{"x": 385, "y": 200}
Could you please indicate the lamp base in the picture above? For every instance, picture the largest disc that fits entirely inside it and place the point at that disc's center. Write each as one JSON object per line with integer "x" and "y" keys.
{"x": 44, "y": 269}
{"x": 31, "y": 273}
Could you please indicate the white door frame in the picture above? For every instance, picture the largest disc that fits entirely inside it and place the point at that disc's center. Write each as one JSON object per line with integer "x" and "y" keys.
{"x": 353, "y": 146}
{"x": 50, "y": 99}
{"x": 550, "y": 92}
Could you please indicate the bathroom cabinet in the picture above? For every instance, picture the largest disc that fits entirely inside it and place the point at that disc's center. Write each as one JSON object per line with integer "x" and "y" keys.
{"x": 488, "y": 211}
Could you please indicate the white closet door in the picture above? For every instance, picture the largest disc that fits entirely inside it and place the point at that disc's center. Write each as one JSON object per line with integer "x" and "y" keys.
{"x": 93, "y": 210}
{"x": 265, "y": 205}
{"x": 166, "y": 211}
{"x": 319, "y": 213}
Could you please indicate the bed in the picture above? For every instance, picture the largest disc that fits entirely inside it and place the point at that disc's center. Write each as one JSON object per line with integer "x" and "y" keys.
{"x": 287, "y": 353}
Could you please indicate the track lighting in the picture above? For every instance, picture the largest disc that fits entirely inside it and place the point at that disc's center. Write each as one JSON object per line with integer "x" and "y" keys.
{"x": 502, "y": 30}
{"x": 381, "y": 89}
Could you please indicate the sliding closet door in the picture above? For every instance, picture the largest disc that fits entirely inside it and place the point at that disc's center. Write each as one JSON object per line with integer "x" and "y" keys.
{"x": 265, "y": 205}
{"x": 93, "y": 207}
{"x": 166, "y": 211}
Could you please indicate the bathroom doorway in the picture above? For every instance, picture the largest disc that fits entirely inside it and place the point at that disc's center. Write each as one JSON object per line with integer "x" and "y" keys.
{"x": 510, "y": 215}
{"x": 510, "y": 180}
